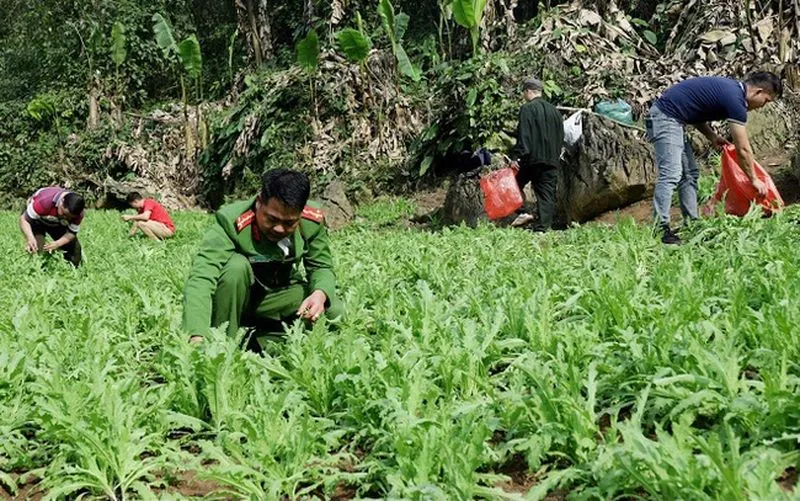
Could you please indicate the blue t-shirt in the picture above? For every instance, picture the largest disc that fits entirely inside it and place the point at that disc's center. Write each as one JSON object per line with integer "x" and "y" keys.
{"x": 705, "y": 99}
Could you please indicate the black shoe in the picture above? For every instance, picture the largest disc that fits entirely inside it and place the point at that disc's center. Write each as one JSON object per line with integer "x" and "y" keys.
{"x": 668, "y": 237}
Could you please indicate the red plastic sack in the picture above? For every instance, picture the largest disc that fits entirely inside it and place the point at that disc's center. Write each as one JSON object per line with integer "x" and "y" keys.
{"x": 501, "y": 195}
{"x": 735, "y": 187}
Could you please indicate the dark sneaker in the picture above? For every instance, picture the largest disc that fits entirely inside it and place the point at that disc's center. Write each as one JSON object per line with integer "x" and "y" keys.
{"x": 668, "y": 237}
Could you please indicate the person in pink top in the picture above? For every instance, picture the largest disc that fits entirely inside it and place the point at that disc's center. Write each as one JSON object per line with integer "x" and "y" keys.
{"x": 58, "y": 213}
{"x": 152, "y": 218}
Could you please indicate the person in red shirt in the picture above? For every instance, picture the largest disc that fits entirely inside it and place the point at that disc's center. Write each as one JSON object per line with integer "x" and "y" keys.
{"x": 58, "y": 213}
{"x": 152, "y": 218}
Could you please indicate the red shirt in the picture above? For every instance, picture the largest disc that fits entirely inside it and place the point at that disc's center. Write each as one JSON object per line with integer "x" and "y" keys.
{"x": 157, "y": 213}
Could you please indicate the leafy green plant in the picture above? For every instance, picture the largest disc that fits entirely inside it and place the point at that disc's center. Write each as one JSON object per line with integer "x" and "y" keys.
{"x": 353, "y": 44}
{"x": 647, "y": 33}
{"x": 617, "y": 368}
{"x": 394, "y": 26}
{"x": 469, "y": 14}
{"x": 187, "y": 55}
{"x": 308, "y": 51}
{"x": 118, "y": 40}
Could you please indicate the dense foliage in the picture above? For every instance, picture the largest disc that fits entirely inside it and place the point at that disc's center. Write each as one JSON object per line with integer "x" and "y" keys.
{"x": 600, "y": 361}
{"x": 80, "y": 73}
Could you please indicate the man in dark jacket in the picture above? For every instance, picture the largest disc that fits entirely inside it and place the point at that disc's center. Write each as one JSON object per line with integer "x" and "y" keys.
{"x": 538, "y": 151}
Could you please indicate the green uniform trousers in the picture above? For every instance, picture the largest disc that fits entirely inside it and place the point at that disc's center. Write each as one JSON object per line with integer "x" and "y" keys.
{"x": 240, "y": 301}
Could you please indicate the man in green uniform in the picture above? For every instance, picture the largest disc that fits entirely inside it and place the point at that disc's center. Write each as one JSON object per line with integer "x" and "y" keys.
{"x": 247, "y": 269}
{"x": 537, "y": 155}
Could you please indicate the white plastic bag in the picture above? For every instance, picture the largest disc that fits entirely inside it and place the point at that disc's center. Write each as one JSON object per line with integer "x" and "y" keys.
{"x": 573, "y": 129}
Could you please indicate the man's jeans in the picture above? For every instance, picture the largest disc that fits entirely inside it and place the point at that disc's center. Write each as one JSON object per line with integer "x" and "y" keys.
{"x": 676, "y": 166}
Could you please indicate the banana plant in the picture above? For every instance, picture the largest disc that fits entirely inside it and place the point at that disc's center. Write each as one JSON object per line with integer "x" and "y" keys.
{"x": 307, "y": 51}
{"x": 185, "y": 54}
{"x": 118, "y": 55}
{"x": 395, "y": 27}
{"x": 469, "y": 14}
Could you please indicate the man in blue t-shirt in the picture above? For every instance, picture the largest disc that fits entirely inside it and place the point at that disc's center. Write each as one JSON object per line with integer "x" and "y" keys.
{"x": 696, "y": 102}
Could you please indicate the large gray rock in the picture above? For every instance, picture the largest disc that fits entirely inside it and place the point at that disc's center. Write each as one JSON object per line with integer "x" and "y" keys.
{"x": 771, "y": 127}
{"x": 335, "y": 205}
{"x": 115, "y": 192}
{"x": 612, "y": 168}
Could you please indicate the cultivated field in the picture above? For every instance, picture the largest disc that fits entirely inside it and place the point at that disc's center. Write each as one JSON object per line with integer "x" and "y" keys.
{"x": 594, "y": 363}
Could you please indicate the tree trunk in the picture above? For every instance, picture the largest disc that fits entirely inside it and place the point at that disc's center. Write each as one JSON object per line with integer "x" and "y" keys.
{"x": 94, "y": 107}
{"x": 464, "y": 200}
{"x": 254, "y": 24}
{"x": 265, "y": 30}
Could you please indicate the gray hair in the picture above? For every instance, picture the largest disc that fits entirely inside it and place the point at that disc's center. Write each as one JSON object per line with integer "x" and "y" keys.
{"x": 532, "y": 84}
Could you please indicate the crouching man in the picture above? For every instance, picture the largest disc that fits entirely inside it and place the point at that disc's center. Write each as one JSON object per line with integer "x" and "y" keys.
{"x": 247, "y": 271}
{"x": 58, "y": 213}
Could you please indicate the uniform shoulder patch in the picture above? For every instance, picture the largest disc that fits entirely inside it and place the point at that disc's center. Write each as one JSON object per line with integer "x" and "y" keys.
{"x": 244, "y": 220}
{"x": 313, "y": 214}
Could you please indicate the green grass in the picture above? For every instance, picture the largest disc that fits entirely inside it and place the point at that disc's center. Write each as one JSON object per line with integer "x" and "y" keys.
{"x": 610, "y": 365}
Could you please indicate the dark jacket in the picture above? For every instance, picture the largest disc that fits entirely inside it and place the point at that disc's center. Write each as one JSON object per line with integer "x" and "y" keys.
{"x": 540, "y": 135}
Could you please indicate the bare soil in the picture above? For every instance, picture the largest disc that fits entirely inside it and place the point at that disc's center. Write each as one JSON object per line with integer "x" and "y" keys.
{"x": 520, "y": 478}
{"x": 190, "y": 485}
{"x": 788, "y": 481}
{"x": 29, "y": 490}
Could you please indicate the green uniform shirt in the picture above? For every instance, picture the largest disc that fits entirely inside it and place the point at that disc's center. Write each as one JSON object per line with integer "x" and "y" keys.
{"x": 235, "y": 231}
{"x": 540, "y": 135}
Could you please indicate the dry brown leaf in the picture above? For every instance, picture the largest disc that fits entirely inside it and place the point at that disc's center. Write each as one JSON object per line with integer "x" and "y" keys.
{"x": 715, "y": 36}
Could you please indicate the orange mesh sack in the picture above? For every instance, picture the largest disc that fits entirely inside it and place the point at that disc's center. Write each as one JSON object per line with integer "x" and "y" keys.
{"x": 501, "y": 195}
{"x": 737, "y": 191}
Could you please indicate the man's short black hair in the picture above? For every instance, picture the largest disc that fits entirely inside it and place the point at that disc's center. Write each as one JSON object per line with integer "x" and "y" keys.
{"x": 74, "y": 203}
{"x": 766, "y": 80}
{"x": 292, "y": 188}
{"x": 133, "y": 196}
